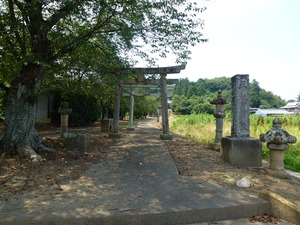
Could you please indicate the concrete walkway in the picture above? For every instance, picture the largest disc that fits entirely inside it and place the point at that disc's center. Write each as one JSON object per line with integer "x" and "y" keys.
{"x": 137, "y": 184}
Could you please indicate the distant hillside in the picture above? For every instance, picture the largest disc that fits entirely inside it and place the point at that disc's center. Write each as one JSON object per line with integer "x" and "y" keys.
{"x": 193, "y": 97}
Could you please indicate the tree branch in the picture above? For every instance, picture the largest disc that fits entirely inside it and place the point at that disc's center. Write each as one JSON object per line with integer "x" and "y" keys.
{"x": 64, "y": 11}
{"x": 95, "y": 29}
{"x": 14, "y": 22}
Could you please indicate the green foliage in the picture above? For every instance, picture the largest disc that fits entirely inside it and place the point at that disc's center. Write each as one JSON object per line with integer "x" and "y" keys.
{"x": 255, "y": 90}
{"x": 145, "y": 105}
{"x": 85, "y": 108}
{"x": 292, "y": 158}
{"x": 46, "y": 31}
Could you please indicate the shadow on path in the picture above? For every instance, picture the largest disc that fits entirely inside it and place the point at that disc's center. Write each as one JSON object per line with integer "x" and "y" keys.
{"x": 137, "y": 183}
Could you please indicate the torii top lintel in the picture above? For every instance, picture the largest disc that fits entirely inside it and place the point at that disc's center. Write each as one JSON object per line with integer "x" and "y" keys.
{"x": 159, "y": 70}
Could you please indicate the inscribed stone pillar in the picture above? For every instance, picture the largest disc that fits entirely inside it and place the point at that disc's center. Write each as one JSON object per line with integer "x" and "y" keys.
{"x": 166, "y": 135}
{"x": 115, "y": 133}
{"x": 240, "y": 106}
{"x": 240, "y": 149}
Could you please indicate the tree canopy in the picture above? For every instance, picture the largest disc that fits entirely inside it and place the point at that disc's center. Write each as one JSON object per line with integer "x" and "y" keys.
{"x": 80, "y": 42}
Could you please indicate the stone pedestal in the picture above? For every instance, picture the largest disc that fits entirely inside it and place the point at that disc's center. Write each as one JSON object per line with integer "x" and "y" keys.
{"x": 166, "y": 136}
{"x": 243, "y": 152}
{"x": 276, "y": 160}
{"x": 64, "y": 124}
{"x": 276, "y": 167}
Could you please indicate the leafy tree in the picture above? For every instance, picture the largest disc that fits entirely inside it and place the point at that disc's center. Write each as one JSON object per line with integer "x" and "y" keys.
{"x": 145, "y": 105}
{"x": 255, "y": 90}
{"x": 36, "y": 34}
{"x": 182, "y": 87}
{"x": 180, "y": 105}
{"x": 192, "y": 90}
{"x": 200, "y": 105}
{"x": 218, "y": 83}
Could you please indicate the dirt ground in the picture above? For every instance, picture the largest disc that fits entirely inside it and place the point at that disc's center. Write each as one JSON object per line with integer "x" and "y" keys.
{"x": 192, "y": 159}
{"x": 203, "y": 163}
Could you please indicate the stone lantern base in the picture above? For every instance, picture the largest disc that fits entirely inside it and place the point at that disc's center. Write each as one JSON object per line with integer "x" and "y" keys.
{"x": 277, "y": 173}
{"x": 115, "y": 135}
{"x": 129, "y": 128}
{"x": 166, "y": 136}
{"x": 243, "y": 152}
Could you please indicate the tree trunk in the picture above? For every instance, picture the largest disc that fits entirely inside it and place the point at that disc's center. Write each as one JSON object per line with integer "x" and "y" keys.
{"x": 20, "y": 137}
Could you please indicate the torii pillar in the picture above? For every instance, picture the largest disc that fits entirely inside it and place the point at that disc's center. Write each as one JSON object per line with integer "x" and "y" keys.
{"x": 166, "y": 135}
{"x": 115, "y": 132}
{"x": 131, "y": 127}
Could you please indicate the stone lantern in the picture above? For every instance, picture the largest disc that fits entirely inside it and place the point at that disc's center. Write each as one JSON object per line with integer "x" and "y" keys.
{"x": 277, "y": 140}
{"x": 219, "y": 114}
{"x": 64, "y": 112}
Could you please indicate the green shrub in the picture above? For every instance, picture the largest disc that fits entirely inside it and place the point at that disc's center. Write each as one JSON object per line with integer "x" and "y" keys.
{"x": 85, "y": 108}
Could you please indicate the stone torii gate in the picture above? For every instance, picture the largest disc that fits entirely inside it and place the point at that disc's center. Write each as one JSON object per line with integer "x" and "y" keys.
{"x": 142, "y": 90}
{"x": 141, "y": 80}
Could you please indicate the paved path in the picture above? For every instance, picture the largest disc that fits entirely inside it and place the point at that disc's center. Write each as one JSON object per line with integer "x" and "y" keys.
{"x": 137, "y": 184}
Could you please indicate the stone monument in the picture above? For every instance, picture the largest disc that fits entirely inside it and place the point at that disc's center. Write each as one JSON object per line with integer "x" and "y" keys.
{"x": 240, "y": 149}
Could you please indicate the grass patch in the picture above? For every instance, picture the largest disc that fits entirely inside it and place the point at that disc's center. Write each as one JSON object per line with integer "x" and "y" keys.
{"x": 202, "y": 128}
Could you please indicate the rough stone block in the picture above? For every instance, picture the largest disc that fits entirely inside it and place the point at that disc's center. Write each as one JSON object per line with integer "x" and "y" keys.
{"x": 106, "y": 125}
{"x": 242, "y": 152}
{"x": 79, "y": 142}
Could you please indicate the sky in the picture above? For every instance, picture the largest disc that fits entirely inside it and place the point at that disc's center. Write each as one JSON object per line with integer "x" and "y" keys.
{"x": 260, "y": 38}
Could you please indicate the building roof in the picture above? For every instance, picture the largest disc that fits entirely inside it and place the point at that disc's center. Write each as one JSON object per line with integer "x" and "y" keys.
{"x": 291, "y": 105}
{"x": 266, "y": 112}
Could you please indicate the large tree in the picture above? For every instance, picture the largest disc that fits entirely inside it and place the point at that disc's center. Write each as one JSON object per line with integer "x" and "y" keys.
{"x": 35, "y": 34}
